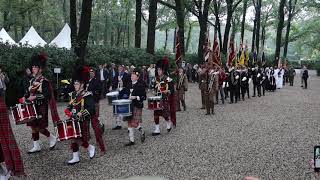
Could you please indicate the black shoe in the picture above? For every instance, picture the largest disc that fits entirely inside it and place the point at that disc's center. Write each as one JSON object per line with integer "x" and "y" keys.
{"x": 155, "y": 134}
{"x": 143, "y": 137}
{"x": 230, "y": 102}
{"x": 207, "y": 113}
{"x": 117, "y": 128}
{"x": 184, "y": 108}
{"x": 254, "y": 96}
{"x": 102, "y": 128}
{"x": 169, "y": 129}
{"x": 130, "y": 143}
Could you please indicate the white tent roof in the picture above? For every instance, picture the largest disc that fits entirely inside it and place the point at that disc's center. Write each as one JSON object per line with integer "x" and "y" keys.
{"x": 63, "y": 40}
{"x": 32, "y": 38}
{"x": 4, "y": 37}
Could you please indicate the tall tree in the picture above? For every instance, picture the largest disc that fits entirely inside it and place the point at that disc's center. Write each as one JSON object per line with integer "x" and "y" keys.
{"x": 137, "y": 39}
{"x": 292, "y": 7}
{"x": 179, "y": 8}
{"x": 279, "y": 29}
{"x": 152, "y": 26}
{"x": 257, "y": 5}
{"x": 243, "y": 22}
{"x": 80, "y": 39}
{"x": 231, "y": 6}
{"x": 201, "y": 10}
{"x": 217, "y": 13}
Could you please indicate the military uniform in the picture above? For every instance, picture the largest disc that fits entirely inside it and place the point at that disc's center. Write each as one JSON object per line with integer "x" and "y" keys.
{"x": 203, "y": 86}
{"x": 212, "y": 84}
{"x": 182, "y": 87}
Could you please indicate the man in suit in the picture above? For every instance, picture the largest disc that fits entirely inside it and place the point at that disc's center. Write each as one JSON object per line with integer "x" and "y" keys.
{"x": 305, "y": 76}
{"x": 102, "y": 76}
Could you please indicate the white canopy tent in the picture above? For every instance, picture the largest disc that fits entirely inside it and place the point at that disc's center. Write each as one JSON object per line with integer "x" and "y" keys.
{"x": 5, "y": 37}
{"x": 63, "y": 39}
{"x": 32, "y": 39}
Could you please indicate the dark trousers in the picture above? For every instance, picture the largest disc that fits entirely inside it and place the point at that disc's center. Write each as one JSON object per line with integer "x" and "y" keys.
{"x": 305, "y": 80}
{"x": 103, "y": 88}
{"x": 237, "y": 93}
{"x": 259, "y": 89}
{"x": 244, "y": 90}
{"x": 232, "y": 94}
{"x": 291, "y": 80}
{"x": 254, "y": 89}
{"x": 221, "y": 90}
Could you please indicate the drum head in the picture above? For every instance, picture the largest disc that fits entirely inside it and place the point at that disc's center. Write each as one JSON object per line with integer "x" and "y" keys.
{"x": 155, "y": 98}
{"x": 113, "y": 93}
{"x": 121, "y": 101}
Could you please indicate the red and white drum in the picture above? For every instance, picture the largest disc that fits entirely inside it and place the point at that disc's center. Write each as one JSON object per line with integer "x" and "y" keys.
{"x": 24, "y": 112}
{"x": 68, "y": 129}
{"x": 154, "y": 103}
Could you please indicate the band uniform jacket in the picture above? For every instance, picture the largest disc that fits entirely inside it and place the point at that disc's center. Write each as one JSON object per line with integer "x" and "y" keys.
{"x": 94, "y": 86}
{"x": 138, "y": 90}
{"x": 182, "y": 84}
{"x": 203, "y": 77}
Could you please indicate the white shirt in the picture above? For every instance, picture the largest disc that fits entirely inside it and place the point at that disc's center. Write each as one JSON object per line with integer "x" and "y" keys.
{"x": 101, "y": 75}
{"x": 152, "y": 72}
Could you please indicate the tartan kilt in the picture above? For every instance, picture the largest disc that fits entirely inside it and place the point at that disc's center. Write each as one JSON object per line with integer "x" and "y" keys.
{"x": 136, "y": 118}
{"x": 41, "y": 123}
{"x": 165, "y": 112}
{"x": 9, "y": 147}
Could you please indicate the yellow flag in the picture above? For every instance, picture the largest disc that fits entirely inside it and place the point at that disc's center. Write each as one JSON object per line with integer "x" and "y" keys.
{"x": 242, "y": 58}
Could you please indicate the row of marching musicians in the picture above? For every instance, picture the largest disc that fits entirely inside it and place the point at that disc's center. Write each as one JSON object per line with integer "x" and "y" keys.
{"x": 83, "y": 108}
{"x": 234, "y": 83}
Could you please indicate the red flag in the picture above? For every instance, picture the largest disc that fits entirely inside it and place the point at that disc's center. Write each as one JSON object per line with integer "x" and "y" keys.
{"x": 178, "y": 49}
{"x": 232, "y": 53}
{"x": 206, "y": 47}
{"x": 216, "y": 50}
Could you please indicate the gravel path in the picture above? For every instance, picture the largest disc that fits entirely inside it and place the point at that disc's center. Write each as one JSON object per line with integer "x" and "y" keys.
{"x": 271, "y": 137}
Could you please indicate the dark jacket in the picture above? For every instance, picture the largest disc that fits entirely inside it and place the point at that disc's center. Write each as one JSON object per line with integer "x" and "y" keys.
{"x": 94, "y": 86}
{"x": 105, "y": 75}
{"x": 305, "y": 74}
{"x": 139, "y": 90}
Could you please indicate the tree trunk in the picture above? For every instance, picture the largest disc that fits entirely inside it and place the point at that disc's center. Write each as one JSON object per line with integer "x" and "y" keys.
{"x": 203, "y": 22}
{"x": 258, "y": 22}
{"x": 65, "y": 13}
{"x": 253, "y": 35}
{"x": 279, "y": 29}
{"x": 180, "y": 14}
{"x": 286, "y": 42}
{"x": 189, "y": 37}
{"x": 84, "y": 29}
{"x": 174, "y": 40}
{"x": 263, "y": 34}
{"x": 73, "y": 24}
{"x": 227, "y": 28}
{"x": 243, "y": 22}
{"x": 217, "y": 22}
{"x": 137, "y": 35}
{"x": 106, "y": 31}
{"x": 166, "y": 40}
{"x": 152, "y": 26}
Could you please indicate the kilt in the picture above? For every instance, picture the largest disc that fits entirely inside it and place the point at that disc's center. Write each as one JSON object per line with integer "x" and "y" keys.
{"x": 165, "y": 112}
{"x": 9, "y": 148}
{"x": 42, "y": 122}
{"x": 136, "y": 118}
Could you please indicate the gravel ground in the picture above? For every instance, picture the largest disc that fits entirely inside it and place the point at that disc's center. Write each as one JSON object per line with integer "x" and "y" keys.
{"x": 271, "y": 137}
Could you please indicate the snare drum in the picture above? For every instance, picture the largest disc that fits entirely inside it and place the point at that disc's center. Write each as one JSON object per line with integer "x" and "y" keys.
{"x": 154, "y": 103}
{"x": 68, "y": 129}
{"x": 24, "y": 112}
{"x": 112, "y": 96}
{"x": 122, "y": 107}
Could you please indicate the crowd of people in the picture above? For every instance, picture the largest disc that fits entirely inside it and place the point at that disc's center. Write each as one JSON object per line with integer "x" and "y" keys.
{"x": 90, "y": 85}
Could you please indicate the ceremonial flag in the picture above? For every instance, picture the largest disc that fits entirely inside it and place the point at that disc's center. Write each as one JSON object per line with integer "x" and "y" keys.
{"x": 178, "y": 49}
{"x": 242, "y": 56}
{"x": 231, "y": 53}
{"x": 246, "y": 54}
{"x": 216, "y": 50}
{"x": 206, "y": 47}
